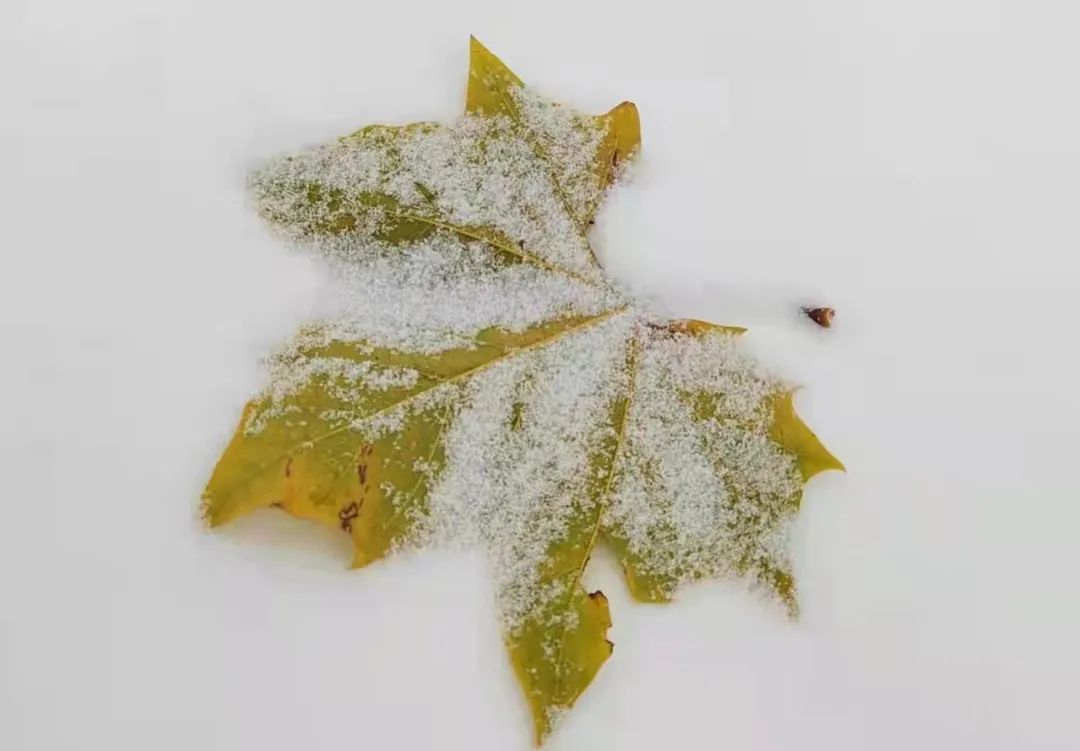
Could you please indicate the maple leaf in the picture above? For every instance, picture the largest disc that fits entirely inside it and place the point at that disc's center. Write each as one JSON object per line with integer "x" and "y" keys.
{"x": 487, "y": 384}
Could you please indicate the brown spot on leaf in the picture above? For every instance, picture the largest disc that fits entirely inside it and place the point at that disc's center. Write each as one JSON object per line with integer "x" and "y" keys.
{"x": 361, "y": 473}
{"x": 288, "y": 468}
{"x": 347, "y": 514}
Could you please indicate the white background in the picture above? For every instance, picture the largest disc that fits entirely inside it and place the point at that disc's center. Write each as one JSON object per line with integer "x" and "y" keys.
{"x": 914, "y": 164}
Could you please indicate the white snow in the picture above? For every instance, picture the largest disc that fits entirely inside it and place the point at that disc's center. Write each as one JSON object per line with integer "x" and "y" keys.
{"x": 694, "y": 497}
{"x": 516, "y": 489}
{"x": 912, "y": 165}
{"x": 475, "y": 172}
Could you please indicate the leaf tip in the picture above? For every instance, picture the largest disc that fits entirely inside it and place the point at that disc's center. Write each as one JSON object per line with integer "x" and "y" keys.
{"x": 489, "y": 81}
{"x": 206, "y": 514}
{"x": 480, "y": 56}
{"x": 476, "y": 50}
{"x": 361, "y": 557}
{"x": 792, "y": 433}
{"x": 625, "y": 122}
{"x": 210, "y": 513}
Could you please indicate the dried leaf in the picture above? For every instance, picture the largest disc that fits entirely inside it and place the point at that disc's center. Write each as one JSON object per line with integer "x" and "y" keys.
{"x": 823, "y": 317}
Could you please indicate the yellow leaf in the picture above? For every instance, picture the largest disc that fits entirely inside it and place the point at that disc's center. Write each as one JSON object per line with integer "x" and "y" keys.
{"x": 485, "y": 384}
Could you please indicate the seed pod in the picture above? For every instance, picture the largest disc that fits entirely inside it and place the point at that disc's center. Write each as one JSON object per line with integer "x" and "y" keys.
{"x": 821, "y": 316}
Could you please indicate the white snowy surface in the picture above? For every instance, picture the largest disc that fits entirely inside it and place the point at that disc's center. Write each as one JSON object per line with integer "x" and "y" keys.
{"x": 914, "y": 165}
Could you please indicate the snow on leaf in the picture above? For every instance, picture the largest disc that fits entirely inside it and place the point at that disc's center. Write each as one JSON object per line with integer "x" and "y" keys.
{"x": 583, "y": 153}
{"x": 481, "y": 382}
